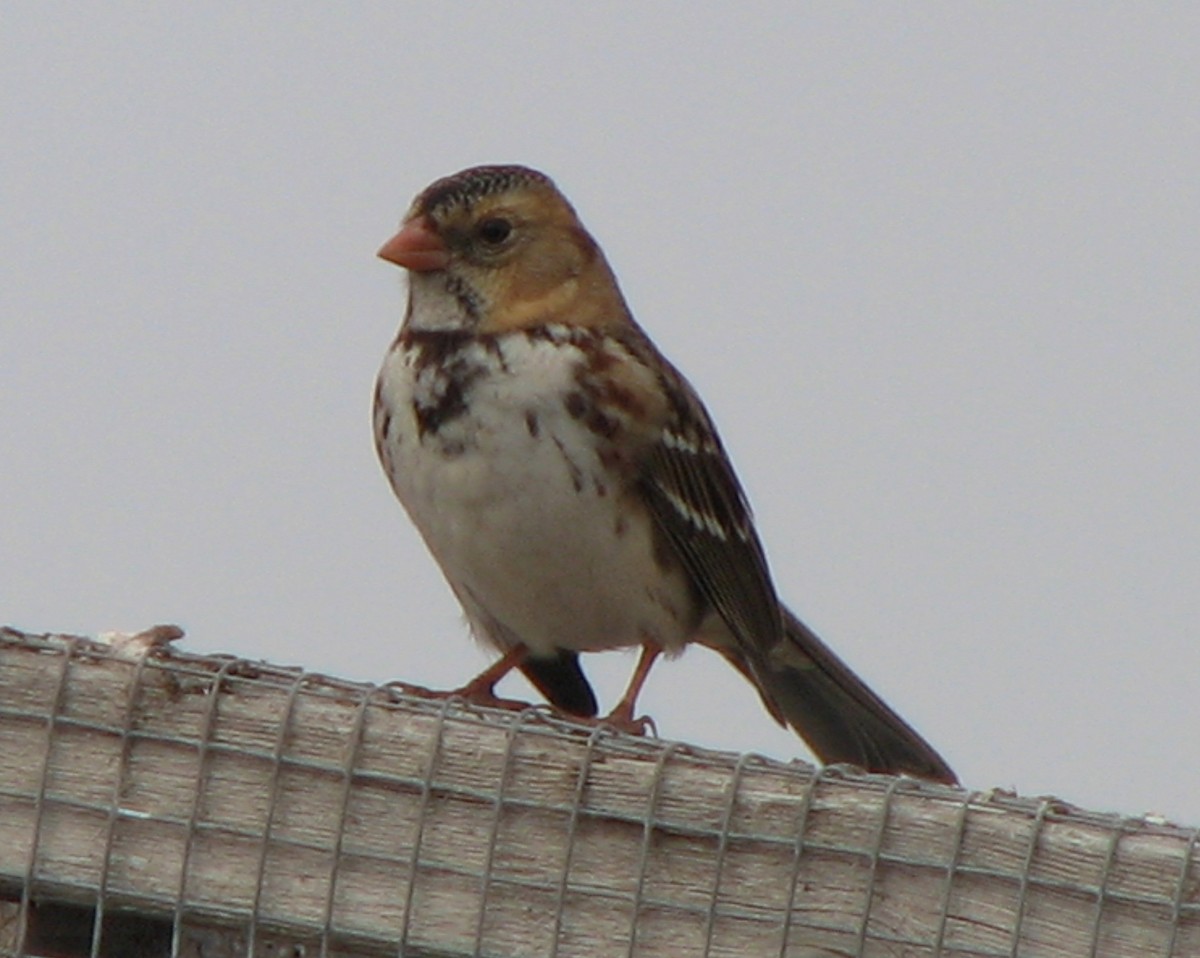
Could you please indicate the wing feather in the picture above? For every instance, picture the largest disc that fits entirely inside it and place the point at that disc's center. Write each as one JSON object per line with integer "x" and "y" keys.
{"x": 698, "y": 503}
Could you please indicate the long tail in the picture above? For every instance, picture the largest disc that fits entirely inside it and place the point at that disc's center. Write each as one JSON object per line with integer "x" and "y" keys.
{"x": 809, "y": 688}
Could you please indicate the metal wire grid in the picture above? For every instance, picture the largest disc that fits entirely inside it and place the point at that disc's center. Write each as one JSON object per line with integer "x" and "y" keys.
{"x": 873, "y": 857}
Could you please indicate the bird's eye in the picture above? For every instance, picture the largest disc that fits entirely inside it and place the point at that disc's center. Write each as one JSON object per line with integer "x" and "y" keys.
{"x": 495, "y": 230}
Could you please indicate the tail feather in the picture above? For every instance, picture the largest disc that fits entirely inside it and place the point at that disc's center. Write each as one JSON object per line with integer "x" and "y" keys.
{"x": 561, "y": 680}
{"x": 833, "y": 710}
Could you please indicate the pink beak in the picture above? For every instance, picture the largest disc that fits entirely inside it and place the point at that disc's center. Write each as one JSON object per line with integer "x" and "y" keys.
{"x": 416, "y": 247}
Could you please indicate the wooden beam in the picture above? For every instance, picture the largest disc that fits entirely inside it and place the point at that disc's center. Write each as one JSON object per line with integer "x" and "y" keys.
{"x": 224, "y": 797}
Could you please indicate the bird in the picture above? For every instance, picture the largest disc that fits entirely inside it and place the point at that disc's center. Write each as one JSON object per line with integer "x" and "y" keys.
{"x": 570, "y": 482}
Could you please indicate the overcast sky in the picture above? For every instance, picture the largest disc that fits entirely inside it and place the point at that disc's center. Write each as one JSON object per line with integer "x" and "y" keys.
{"x": 935, "y": 269}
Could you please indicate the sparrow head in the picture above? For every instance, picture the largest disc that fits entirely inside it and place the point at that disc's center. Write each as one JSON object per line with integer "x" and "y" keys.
{"x": 499, "y": 248}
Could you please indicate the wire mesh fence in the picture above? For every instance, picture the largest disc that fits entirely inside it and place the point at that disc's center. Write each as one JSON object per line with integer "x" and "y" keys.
{"x": 154, "y": 803}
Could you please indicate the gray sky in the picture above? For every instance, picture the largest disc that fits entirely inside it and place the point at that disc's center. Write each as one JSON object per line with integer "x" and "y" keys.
{"x": 935, "y": 269}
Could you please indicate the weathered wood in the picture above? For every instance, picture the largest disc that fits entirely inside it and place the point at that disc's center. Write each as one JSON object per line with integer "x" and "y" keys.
{"x": 221, "y": 794}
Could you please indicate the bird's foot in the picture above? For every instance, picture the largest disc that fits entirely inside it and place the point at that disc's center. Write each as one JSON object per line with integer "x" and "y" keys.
{"x": 481, "y": 694}
{"x": 622, "y": 720}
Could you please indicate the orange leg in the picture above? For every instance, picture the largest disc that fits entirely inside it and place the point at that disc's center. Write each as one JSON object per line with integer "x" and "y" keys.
{"x": 621, "y": 716}
{"x": 481, "y": 690}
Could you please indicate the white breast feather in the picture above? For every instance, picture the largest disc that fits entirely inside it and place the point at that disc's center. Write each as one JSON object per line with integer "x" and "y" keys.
{"x": 513, "y": 502}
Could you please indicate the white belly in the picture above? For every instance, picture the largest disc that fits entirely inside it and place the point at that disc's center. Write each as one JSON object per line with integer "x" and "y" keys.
{"x": 534, "y": 536}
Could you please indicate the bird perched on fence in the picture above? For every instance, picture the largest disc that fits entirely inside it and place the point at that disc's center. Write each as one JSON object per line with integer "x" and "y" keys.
{"x": 569, "y": 481}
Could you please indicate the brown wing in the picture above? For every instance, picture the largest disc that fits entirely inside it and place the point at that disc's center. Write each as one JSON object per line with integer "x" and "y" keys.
{"x": 699, "y": 505}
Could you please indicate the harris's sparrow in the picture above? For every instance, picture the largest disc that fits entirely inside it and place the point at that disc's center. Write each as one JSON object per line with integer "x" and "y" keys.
{"x": 569, "y": 481}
